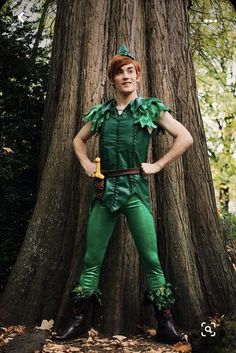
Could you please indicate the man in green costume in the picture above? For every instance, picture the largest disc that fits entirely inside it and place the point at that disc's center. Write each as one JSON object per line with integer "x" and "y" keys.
{"x": 125, "y": 125}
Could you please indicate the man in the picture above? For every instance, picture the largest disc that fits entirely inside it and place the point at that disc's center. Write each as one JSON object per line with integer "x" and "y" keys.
{"x": 125, "y": 125}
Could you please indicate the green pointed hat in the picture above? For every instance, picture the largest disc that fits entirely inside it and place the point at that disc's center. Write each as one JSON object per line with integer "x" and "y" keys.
{"x": 123, "y": 51}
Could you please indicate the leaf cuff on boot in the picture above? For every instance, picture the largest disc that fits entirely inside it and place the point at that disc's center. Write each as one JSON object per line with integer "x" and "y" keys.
{"x": 78, "y": 293}
{"x": 161, "y": 298}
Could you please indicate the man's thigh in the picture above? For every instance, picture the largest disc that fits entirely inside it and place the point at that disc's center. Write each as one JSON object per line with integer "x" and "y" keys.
{"x": 141, "y": 224}
{"x": 100, "y": 226}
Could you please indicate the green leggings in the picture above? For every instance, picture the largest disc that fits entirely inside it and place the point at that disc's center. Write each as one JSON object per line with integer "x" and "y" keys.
{"x": 99, "y": 230}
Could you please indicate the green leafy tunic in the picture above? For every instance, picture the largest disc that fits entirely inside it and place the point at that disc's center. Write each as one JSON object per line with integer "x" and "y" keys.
{"x": 123, "y": 144}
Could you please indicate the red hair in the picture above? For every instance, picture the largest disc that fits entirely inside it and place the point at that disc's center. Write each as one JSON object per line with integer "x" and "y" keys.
{"x": 118, "y": 61}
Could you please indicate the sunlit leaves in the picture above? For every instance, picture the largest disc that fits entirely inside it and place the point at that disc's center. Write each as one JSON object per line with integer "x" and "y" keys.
{"x": 213, "y": 34}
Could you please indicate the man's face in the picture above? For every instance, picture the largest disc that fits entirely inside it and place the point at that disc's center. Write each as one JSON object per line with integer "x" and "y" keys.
{"x": 125, "y": 80}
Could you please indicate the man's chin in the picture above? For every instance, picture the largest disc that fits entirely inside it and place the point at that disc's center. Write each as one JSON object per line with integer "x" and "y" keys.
{"x": 127, "y": 93}
{"x": 127, "y": 90}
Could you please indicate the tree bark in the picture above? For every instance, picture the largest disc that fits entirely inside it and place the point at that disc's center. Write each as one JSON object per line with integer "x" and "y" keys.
{"x": 218, "y": 286}
{"x": 174, "y": 228}
{"x": 45, "y": 256}
{"x": 87, "y": 34}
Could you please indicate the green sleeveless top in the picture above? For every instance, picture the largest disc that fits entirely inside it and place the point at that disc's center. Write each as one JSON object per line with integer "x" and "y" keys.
{"x": 123, "y": 143}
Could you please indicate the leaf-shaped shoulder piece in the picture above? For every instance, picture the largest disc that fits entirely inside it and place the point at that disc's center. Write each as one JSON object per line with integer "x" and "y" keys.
{"x": 147, "y": 111}
{"x": 97, "y": 114}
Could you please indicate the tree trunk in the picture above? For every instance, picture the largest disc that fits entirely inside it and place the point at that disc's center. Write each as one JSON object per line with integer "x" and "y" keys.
{"x": 87, "y": 34}
{"x": 218, "y": 286}
{"x": 174, "y": 228}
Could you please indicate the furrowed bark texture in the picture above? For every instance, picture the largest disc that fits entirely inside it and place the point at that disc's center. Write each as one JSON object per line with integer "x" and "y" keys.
{"x": 215, "y": 271}
{"x": 176, "y": 246}
{"x": 87, "y": 34}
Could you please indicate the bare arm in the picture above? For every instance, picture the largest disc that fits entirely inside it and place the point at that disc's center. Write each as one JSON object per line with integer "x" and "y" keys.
{"x": 80, "y": 148}
{"x": 183, "y": 140}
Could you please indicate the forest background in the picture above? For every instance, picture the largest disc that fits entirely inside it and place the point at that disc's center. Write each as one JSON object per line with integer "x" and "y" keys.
{"x": 24, "y": 69}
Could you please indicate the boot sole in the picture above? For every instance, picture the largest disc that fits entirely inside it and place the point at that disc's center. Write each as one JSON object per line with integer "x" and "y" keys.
{"x": 168, "y": 341}
{"x": 82, "y": 335}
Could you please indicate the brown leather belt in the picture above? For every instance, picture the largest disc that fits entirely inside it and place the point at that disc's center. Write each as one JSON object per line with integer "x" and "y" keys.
{"x": 114, "y": 173}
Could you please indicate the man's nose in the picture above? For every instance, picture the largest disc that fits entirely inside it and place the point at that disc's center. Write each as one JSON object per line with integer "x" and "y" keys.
{"x": 125, "y": 75}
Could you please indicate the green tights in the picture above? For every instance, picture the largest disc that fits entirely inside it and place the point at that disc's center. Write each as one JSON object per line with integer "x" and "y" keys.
{"x": 99, "y": 230}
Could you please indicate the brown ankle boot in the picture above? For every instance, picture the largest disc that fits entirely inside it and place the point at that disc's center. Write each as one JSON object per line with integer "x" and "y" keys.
{"x": 78, "y": 323}
{"x": 166, "y": 331}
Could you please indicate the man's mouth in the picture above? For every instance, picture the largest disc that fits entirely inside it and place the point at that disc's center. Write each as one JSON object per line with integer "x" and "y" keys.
{"x": 126, "y": 83}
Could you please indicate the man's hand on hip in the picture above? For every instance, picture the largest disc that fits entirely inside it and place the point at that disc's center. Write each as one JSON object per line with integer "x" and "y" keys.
{"x": 150, "y": 168}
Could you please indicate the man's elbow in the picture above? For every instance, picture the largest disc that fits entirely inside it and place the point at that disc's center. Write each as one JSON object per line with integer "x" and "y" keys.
{"x": 188, "y": 140}
{"x": 75, "y": 142}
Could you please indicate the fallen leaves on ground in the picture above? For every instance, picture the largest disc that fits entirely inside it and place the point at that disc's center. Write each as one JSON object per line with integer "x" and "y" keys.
{"x": 19, "y": 329}
{"x": 183, "y": 347}
{"x": 96, "y": 343}
{"x": 8, "y": 333}
{"x": 119, "y": 338}
{"x": 152, "y": 332}
{"x": 117, "y": 343}
{"x": 46, "y": 325}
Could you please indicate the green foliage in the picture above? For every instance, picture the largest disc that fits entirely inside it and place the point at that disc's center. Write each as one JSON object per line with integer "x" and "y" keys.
{"x": 228, "y": 226}
{"x": 78, "y": 293}
{"x": 23, "y": 81}
{"x": 162, "y": 298}
{"x": 213, "y": 32}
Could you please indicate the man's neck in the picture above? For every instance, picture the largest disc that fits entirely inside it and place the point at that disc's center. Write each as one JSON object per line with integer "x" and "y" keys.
{"x": 124, "y": 100}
